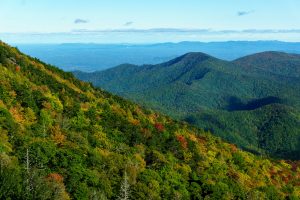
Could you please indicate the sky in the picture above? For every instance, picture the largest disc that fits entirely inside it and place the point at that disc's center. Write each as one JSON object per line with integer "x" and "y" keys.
{"x": 148, "y": 21}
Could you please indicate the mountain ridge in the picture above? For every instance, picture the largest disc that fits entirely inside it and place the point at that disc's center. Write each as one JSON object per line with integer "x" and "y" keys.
{"x": 61, "y": 138}
{"x": 196, "y": 83}
{"x": 93, "y": 57}
{"x": 279, "y": 61}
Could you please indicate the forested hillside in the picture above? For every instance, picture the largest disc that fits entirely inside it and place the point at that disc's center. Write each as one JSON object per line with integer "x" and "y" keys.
{"x": 253, "y": 102}
{"x": 60, "y": 138}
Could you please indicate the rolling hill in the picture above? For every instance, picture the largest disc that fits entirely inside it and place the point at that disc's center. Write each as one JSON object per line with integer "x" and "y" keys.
{"x": 61, "y": 138}
{"x": 253, "y": 101}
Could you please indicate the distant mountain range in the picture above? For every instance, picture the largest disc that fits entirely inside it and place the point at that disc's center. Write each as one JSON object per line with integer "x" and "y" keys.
{"x": 253, "y": 101}
{"x": 95, "y": 57}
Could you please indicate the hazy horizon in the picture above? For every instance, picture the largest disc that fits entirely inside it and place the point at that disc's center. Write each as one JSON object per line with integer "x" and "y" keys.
{"x": 93, "y": 57}
{"x": 148, "y": 37}
{"x": 150, "y": 43}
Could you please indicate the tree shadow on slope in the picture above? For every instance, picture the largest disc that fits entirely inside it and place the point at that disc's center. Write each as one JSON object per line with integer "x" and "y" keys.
{"x": 236, "y": 104}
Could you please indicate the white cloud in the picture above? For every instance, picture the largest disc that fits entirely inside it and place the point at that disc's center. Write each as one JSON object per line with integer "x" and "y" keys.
{"x": 81, "y": 21}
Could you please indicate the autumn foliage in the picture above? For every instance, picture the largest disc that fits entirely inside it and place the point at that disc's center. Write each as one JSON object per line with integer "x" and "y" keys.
{"x": 233, "y": 148}
{"x": 55, "y": 177}
{"x": 18, "y": 68}
{"x": 159, "y": 127}
{"x": 63, "y": 139}
{"x": 181, "y": 139}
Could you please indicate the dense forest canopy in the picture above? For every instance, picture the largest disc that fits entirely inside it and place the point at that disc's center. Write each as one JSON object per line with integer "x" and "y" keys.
{"x": 253, "y": 102}
{"x": 61, "y": 138}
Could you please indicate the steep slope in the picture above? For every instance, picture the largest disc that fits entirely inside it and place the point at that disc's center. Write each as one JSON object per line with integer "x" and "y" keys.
{"x": 150, "y": 75}
{"x": 235, "y": 100}
{"x": 61, "y": 138}
{"x": 181, "y": 73}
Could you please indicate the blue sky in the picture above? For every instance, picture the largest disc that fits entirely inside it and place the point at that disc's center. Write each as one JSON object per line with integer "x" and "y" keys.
{"x": 148, "y": 21}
